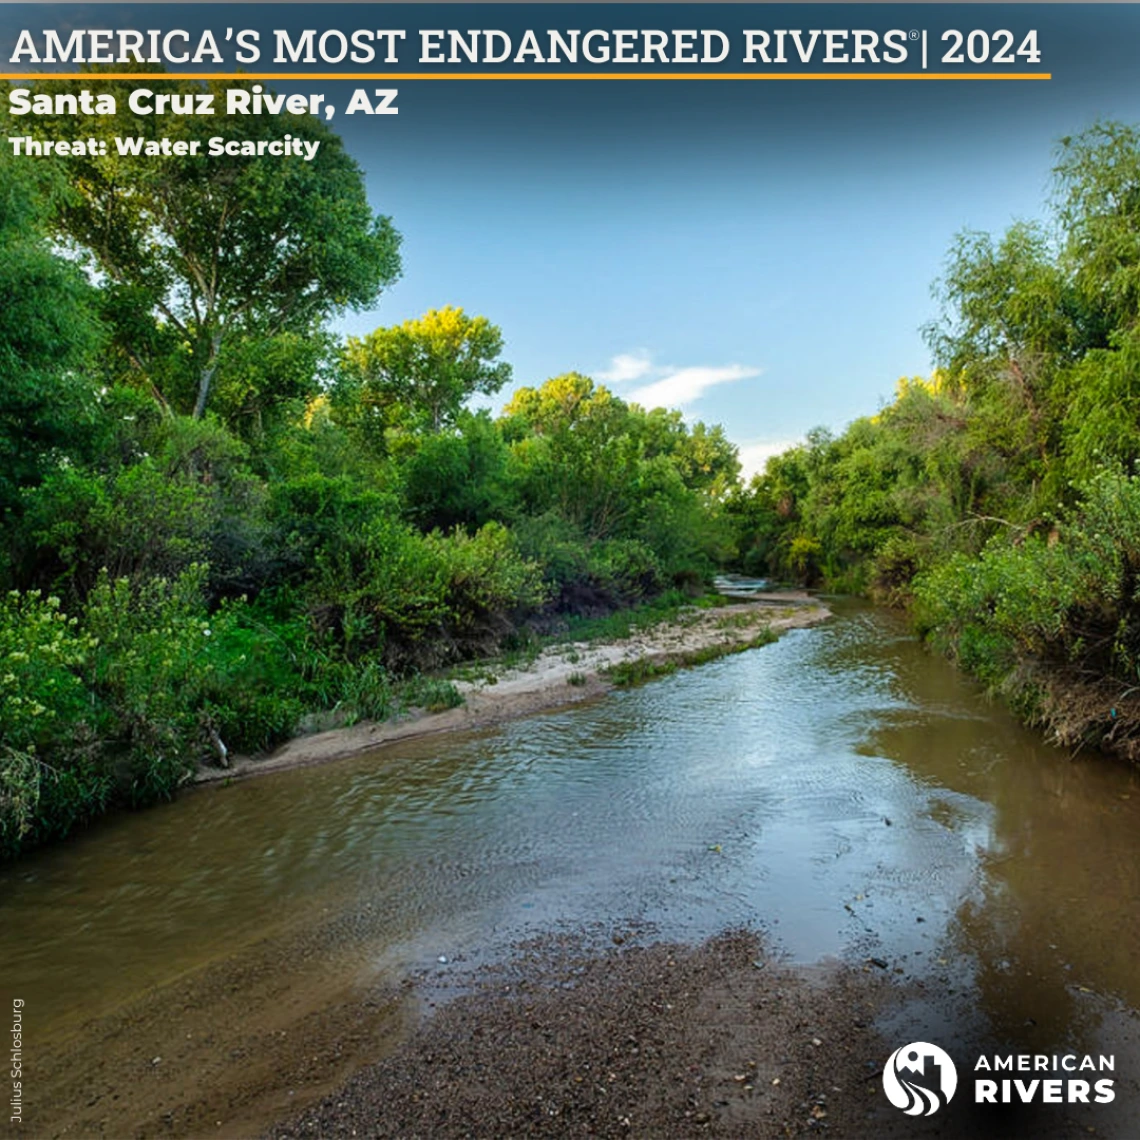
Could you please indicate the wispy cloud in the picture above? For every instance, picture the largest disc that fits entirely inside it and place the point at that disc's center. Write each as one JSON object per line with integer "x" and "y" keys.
{"x": 755, "y": 453}
{"x": 682, "y": 386}
{"x": 665, "y": 385}
{"x": 627, "y": 366}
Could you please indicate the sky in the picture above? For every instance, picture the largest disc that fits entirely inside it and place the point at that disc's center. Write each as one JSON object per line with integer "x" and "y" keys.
{"x": 760, "y": 255}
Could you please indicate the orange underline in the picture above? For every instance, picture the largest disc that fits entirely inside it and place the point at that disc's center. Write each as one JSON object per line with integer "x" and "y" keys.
{"x": 321, "y": 76}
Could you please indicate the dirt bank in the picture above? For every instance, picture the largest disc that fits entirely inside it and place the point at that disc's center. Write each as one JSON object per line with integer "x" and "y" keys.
{"x": 562, "y": 674}
{"x": 651, "y": 1041}
{"x": 672, "y": 1042}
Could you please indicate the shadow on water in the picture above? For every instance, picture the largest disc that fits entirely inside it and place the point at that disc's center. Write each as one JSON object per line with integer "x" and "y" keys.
{"x": 842, "y": 789}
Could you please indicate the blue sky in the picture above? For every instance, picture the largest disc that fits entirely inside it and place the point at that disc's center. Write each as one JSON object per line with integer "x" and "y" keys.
{"x": 758, "y": 254}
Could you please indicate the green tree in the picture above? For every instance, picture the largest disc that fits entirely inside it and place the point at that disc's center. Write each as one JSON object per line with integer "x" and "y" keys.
{"x": 458, "y": 477}
{"x": 703, "y": 456}
{"x": 1097, "y": 198}
{"x": 576, "y": 453}
{"x": 202, "y": 253}
{"x": 419, "y": 374}
{"x": 47, "y": 333}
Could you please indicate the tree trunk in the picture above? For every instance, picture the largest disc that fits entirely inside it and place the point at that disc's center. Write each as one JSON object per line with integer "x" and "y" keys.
{"x": 207, "y": 376}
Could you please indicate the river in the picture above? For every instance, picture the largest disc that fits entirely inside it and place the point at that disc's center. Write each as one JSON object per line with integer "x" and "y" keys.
{"x": 842, "y": 790}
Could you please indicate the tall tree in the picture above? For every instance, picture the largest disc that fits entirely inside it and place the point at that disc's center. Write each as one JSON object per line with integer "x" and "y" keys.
{"x": 1097, "y": 196}
{"x": 47, "y": 332}
{"x": 420, "y": 373}
{"x": 203, "y": 254}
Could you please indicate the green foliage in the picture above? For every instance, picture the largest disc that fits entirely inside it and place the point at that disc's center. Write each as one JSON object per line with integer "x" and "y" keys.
{"x": 41, "y": 660}
{"x": 485, "y": 574}
{"x": 1097, "y": 197}
{"x": 48, "y": 332}
{"x": 432, "y": 694}
{"x": 413, "y": 598}
{"x": 459, "y": 477}
{"x": 626, "y": 674}
{"x": 416, "y": 376}
{"x": 188, "y": 497}
{"x": 591, "y": 469}
{"x": 627, "y": 568}
{"x": 19, "y": 797}
{"x": 222, "y": 525}
{"x": 1058, "y": 608}
{"x": 221, "y": 265}
{"x": 1103, "y": 422}
{"x": 803, "y": 557}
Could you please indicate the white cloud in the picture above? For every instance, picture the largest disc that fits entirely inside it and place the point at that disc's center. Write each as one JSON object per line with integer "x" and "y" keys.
{"x": 681, "y": 386}
{"x": 755, "y": 454}
{"x": 627, "y": 366}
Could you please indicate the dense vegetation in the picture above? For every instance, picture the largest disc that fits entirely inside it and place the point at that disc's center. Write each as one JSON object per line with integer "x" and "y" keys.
{"x": 1000, "y": 498}
{"x": 221, "y": 522}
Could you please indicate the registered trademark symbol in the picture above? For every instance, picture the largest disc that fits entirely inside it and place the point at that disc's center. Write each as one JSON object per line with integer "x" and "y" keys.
{"x": 913, "y": 34}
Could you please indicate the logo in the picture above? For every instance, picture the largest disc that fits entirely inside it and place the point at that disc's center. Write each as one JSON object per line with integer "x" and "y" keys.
{"x": 919, "y": 1078}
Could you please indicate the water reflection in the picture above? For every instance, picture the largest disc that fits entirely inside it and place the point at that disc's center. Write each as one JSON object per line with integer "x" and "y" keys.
{"x": 842, "y": 788}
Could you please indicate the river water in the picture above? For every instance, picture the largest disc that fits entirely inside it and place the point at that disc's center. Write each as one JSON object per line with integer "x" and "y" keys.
{"x": 842, "y": 789}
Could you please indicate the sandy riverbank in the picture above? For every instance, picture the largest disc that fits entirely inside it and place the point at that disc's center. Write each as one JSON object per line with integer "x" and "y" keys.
{"x": 653, "y": 1040}
{"x": 656, "y": 1041}
{"x": 560, "y": 675}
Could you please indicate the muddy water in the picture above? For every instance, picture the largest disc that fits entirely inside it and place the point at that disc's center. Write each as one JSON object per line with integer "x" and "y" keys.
{"x": 841, "y": 789}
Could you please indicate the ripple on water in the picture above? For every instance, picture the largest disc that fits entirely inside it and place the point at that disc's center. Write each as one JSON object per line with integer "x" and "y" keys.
{"x": 837, "y": 786}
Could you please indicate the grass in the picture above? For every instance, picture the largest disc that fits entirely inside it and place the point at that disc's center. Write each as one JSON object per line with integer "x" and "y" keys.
{"x": 625, "y": 674}
{"x": 673, "y": 606}
{"x": 735, "y": 621}
{"x": 432, "y": 693}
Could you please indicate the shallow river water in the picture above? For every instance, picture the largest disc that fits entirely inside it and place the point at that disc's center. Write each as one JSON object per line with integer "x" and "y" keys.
{"x": 842, "y": 789}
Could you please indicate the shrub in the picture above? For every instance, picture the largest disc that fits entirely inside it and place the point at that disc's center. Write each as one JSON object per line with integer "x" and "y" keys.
{"x": 411, "y": 597}
{"x": 45, "y": 711}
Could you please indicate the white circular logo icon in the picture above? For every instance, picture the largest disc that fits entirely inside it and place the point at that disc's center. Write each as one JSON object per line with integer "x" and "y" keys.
{"x": 919, "y": 1078}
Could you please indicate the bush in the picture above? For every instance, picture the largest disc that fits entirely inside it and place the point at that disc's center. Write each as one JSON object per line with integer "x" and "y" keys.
{"x": 1052, "y": 622}
{"x": 412, "y": 598}
{"x": 41, "y": 658}
{"x": 625, "y": 567}
{"x": 45, "y": 711}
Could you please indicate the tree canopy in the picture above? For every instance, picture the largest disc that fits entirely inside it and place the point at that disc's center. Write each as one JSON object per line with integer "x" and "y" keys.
{"x": 210, "y": 261}
{"x": 419, "y": 374}
{"x": 48, "y": 331}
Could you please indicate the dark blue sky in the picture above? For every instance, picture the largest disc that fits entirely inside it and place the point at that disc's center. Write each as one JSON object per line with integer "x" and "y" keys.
{"x": 760, "y": 253}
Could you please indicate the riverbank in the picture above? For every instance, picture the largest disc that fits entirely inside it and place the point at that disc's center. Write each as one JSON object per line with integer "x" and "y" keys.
{"x": 637, "y": 1039}
{"x": 666, "y": 1041}
{"x": 564, "y": 673}
{"x": 842, "y": 791}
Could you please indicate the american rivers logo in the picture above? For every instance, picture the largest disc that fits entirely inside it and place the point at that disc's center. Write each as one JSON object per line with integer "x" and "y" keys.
{"x": 919, "y": 1078}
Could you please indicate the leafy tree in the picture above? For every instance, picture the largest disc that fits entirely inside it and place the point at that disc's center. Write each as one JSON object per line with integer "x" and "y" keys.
{"x": 459, "y": 477}
{"x": 418, "y": 375}
{"x": 704, "y": 457}
{"x": 202, "y": 254}
{"x": 48, "y": 406}
{"x": 576, "y": 452}
{"x": 1097, "y": 197}
{"x": 619, "y": 475}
